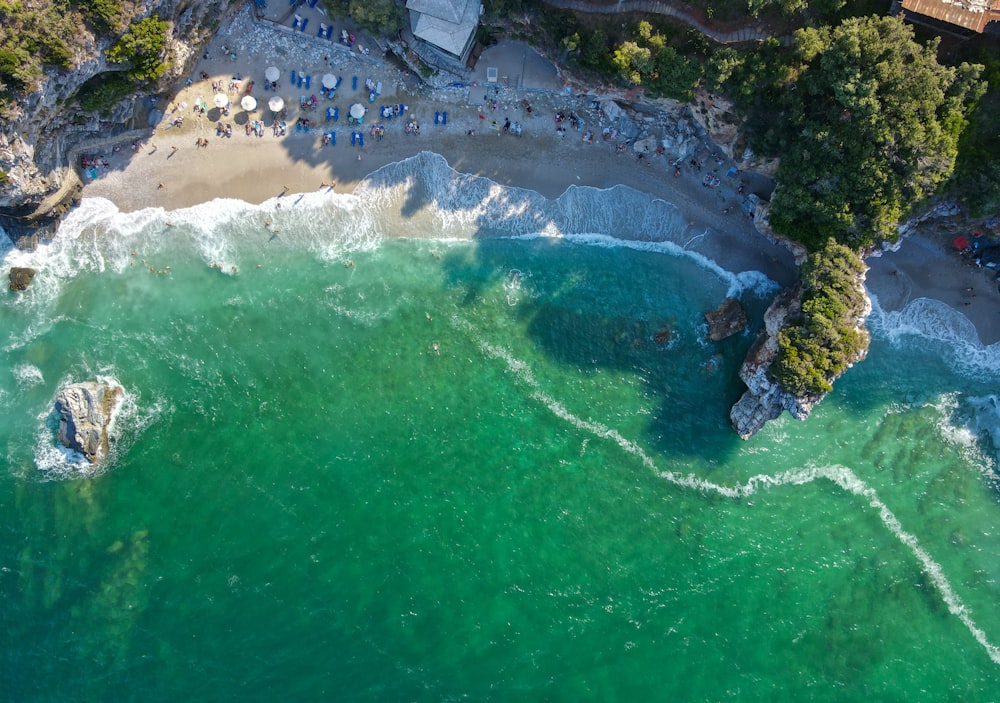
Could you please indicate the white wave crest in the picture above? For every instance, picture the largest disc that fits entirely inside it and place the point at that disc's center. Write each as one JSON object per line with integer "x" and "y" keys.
{"x": 27, "y": 375}
{"x": 932, "y": 321}
{"x": 840, "y": 476}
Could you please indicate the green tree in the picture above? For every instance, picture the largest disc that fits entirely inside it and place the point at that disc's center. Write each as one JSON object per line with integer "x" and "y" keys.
{"x": 650, "y": 62}
{"x": 142, "y": 48}
{"x": 377, "y": 15}
{"x": 871, "y": 127}
{"x": 828, "y": 338}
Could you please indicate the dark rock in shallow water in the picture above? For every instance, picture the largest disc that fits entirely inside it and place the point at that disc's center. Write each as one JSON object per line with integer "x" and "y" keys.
{"x": 85, "y": 411}
{"x": 728, "y": 319}
{"x": 20, "y": 278}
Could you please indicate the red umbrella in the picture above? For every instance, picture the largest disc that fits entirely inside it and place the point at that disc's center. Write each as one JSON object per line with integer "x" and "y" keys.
{"x": 961, "y": 242}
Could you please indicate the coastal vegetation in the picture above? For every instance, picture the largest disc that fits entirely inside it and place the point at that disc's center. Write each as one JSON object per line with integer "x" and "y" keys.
{"x": 828, "y": 337}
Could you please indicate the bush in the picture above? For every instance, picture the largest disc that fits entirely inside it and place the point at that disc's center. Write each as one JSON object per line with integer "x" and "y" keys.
{"x": 100, "y": 94}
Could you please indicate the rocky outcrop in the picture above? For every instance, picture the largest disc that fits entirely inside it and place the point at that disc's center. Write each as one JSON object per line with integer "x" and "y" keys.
{"x": 39, "y": 134}
{"x": 20, "y": 278}
{"x": 86, "y": 410}
{"x": 726, "y": 320}
{"x": 765, "y": 398}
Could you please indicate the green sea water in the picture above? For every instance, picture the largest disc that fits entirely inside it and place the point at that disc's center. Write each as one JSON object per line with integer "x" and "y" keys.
{"x": 420, "y": 454}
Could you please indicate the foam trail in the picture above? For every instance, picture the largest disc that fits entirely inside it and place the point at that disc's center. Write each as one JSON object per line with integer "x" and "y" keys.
{"x": 840, "y": 476}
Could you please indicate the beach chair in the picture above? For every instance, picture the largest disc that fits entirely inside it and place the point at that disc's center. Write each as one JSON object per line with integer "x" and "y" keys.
{"x": 339, "y": 79}
{"x": 308, "y": 81}
{"x": 300, "y": 80}
{"x": 371, "y": 97}
{"x": 312, "y": 3}
{"x": 295, "y": 22}
{"x": 333, "y": 138}
{"x": 444, "y": 118}
{"x": 305, "y": 21}
{"x": 378, "y": 88}
{"x": 354, "y": 138}
{"x": 437, "y": 117}
{"x": 321, "y": 32}
{"x": 361, "y": 139}
{"x": 329, "y": 114}
{"x": 336, "y": 114}
{"x": 354, "y": 82}
{"x": 294, "y": 77}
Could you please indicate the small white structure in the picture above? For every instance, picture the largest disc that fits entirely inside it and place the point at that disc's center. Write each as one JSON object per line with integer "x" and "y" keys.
{"x": 449, "y": 25}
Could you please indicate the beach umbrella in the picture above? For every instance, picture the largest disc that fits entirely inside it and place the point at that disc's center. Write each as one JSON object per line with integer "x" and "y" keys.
{"x": 276, "y": 104}
{"x": 329, "y": 80}
{"x": 221, "y": 100}
{"x": 357, "y": 111}
{"x": 272, "y": 73}
{"x": 248, "y": 103}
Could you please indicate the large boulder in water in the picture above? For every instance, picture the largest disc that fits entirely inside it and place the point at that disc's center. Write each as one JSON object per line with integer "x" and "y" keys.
{"x": 726, "y": 320}
{"x": 85, "y": 411}
{"x": 20, "y": 278}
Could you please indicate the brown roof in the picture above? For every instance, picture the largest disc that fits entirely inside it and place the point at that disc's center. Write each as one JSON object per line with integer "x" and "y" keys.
{"x": 971, "y": 14}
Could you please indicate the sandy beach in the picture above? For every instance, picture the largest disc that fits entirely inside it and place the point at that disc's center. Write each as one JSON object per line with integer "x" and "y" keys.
{"x": 170, "y": 170}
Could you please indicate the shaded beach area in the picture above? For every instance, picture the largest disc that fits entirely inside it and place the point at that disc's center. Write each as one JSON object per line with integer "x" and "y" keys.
{"x": 565, "y": 140}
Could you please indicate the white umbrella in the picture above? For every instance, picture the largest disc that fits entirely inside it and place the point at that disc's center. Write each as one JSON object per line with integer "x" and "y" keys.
{"x": 276, "y": 104}
{"x": 329, "y": 80}
{"x": 357, "y": 111}
{"x": 221, "y": 100}
{"x": 248, "y": 103}
{"x": 272, "y": 73}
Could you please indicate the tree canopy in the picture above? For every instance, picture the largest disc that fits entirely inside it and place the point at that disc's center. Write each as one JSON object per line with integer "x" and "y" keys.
{"x": 828, "y": 339}
{"x": 872, "y": 125}
{"x": 142, "y": 47}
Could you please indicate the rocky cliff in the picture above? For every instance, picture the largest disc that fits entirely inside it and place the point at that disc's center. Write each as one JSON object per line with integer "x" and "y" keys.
{"x": 765, "y": 398}
{"x": 38, "y": 135}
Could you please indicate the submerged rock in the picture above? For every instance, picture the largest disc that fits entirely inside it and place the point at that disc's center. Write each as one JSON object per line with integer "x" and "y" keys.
{"x": 20, "y": 278}
{"x": 726, "y": 320}
{"x": 86, "y": 410}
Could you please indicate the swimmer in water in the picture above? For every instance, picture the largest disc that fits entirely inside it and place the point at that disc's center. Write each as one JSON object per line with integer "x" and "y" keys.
{"x": 436, "y": 348}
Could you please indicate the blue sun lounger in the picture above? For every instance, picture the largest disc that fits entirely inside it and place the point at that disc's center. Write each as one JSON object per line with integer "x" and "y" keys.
{"x": 329, "y": 114}
{"x": 308, "y": 81}
{"x": 294, "y": 76}
{"x": 336, "y": 114}
{"x": 333, "y": 138}
{"x": 321, "y": 32}
{"x": 312, "y": 3}
{"x": 444, "y": 118}
{"x": 305, "y": 21}
{"x": 437, "y": 117}
{"x": 354, "y": 138}
{"x": 361, "y": 139}
{"x": 354, "y": 82}
{"x": 339, "y": 78}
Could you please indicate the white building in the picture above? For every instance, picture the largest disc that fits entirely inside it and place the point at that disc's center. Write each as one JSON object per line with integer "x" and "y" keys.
{"x": 448, "y": 25}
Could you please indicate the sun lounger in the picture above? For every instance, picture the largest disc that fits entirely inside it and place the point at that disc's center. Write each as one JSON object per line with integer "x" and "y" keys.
{"x": 337, "y": 84}
{"x": 312, "y": 3}
{"x": 295, "y": 22}
{"x": 294, "y": 77}
{"x": 354, "y": 82}
{"x": 437, "y": 117}
{"x": 333, "y": 138}
{"x": 305, "y": 22}
{"x": 361, "y": 139}
{"x": 308, "y": 81}
{"x": 336, "y": 114}
{"x": 444, "y": 118}
{"x": 378, "y": 88}
{"x": 354, "y": 138}
{"x": 321, "y": 31}
{"x": 329, "y": 114}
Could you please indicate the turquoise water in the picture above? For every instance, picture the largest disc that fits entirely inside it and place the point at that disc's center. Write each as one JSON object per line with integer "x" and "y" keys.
{"x": 458, "y": 465}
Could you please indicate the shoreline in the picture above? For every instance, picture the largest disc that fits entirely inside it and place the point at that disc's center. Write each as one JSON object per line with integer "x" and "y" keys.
{"x": 170, "y": 171}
